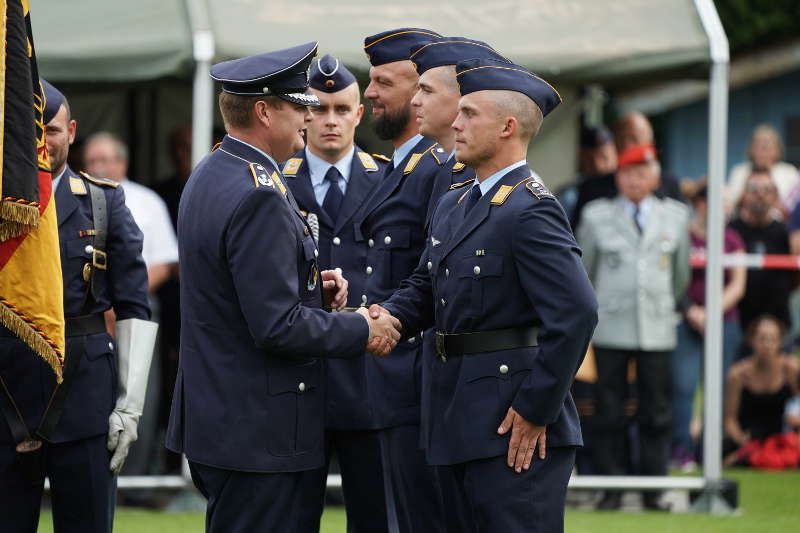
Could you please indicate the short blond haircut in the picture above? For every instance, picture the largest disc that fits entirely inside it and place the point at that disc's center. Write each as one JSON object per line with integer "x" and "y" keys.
{"x": 528, "y": 115}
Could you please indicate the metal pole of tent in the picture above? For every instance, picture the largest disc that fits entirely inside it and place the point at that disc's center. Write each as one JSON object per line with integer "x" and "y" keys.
{"x": 711, "y": 500}
{"x": 203, "y": 89}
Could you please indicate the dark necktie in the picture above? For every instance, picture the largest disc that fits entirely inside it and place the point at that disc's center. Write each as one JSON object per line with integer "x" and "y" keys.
{"x": 474, "y": 195}
{"x": 334, "y": 196}
{"x": 636, "y": 219}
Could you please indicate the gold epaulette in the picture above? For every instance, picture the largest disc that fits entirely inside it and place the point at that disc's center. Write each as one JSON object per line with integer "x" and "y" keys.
{"x": 458, "y": 167}
{"x": 414, "y": 160}
{"x": 382, "y": 158}
{"x": 292, "y": 166}
{"x": 367, "y": 162}
{"x": 100, "y": 181}
{"x": 459, "y": 185}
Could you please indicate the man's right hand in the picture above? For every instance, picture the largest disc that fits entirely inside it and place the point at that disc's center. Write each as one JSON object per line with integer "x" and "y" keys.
{"x": 384, "y": 332}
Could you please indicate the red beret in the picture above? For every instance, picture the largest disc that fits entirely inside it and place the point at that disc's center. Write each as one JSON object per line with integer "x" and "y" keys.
{"x": 636, "y": 155}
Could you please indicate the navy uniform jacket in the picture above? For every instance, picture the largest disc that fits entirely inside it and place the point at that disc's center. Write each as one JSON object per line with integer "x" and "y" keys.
{"x": 514, "y": 264}
{"x": 450, "y": 173}
{"x": 346, "y": 379}
{"x": 392, "y": 229}
{"x": 249, "y": 394}
{"x": 123, "y": 286}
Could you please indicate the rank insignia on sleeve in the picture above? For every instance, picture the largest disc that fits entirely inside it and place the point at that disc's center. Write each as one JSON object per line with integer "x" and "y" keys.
{"x": 501, "y": 195}
{"x": 77, "y": 186}
{"x": 367, "y": 161}
{"x": 292, "y": 166}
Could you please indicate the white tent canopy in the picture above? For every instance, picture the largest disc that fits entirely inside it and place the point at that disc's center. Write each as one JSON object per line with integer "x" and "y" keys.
{"x": 98, "y": 40}
{"x": 571, "y": 41}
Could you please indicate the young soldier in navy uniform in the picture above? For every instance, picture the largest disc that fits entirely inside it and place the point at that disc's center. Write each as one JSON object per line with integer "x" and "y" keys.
{"x": 502, "y": 281}
{"x": 91, "y": 418}
{"x": 330, "y": 180}
{"x": 436, "y": 101}
{"x": 249, "y": 397}
{"x": 392, "y": 230}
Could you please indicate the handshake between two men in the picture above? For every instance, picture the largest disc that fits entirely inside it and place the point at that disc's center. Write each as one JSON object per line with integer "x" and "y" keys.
{"x": 384, "y": 329}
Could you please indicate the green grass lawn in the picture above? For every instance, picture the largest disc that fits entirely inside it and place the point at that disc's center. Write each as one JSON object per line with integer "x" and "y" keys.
{"x": 768, "y": 502}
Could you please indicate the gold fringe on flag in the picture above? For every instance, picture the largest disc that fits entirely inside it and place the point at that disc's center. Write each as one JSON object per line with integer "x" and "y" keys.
{"x": 31, "y": 335}
{"x": 17, "y": 217}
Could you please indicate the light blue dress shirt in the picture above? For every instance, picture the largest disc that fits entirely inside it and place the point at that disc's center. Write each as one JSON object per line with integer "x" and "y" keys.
{"x": 57, "y": 179}
{"x": 318, "y": 167}
{"x": 487, "y": 184}
{"x": 644, "y": 209}
{"x": 401, "y": 152}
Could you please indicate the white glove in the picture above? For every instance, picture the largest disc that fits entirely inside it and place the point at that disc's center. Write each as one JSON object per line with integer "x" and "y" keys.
{"x": 135, "y": 341}
{"x": 121, "y": 434}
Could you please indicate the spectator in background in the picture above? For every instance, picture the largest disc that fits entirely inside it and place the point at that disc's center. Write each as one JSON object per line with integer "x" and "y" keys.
{"x": 105, "y": 155}
{"x": 597, "y": 161}
{"x": 180, "y": 153}
{"x": 170, "y": 190}
{"x": 764, "y": 154}
{"x": 636, "y": 252}
{"x": 757, "y": 390}
{"x": 767, "y": 291}
{"x": 634, "y": 129}
{"x": 688, "y": 355}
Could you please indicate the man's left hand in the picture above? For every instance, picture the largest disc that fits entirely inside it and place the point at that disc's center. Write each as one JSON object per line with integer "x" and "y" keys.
{"x": 525, "y": 437}
{"x": 334, "y": 288}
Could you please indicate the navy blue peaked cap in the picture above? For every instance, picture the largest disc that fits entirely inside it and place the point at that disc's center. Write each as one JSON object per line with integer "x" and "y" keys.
{"x": 52, "y": 100}
{"x": 493, "y": 75}
{"x": 329, "y": 75}
{"x": 395, "y": 45}
{"x": 282, "y": 73}
{"x": 449, "y": 51}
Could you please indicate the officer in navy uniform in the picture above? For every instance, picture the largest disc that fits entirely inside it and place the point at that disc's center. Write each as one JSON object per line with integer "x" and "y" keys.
{"x": 248, "y": 404}
{"x": 89, "y": 421}
{"x": 392, "y": 230}
{"x": 436, "y": 102}
{"x": 502, "y": 281}
{"x": 330, "y": 179}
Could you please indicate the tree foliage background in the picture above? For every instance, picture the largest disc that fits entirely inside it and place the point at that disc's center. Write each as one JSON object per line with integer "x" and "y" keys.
{"x": 754, "y": 23}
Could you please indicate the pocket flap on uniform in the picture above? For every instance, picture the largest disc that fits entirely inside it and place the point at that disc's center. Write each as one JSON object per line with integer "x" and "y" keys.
{"x": 393, "y": 238}
{"x": 501, "y": 365}
{"x": 480, "y": 266}
{"x": 296, "y": 379}
{"x": 97, "y": 345}
{"x": 77, "y": 247}
{"x": 309, "y": 248}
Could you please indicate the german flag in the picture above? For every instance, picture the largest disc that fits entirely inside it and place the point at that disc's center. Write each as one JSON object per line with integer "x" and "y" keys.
{"x": 31, "y": 288}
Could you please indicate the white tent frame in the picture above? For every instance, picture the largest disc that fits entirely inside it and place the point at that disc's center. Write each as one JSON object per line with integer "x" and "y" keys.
{"x": 711, "y": 483}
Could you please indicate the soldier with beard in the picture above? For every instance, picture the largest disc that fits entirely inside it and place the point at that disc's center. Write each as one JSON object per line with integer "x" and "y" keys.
{"x": 392, "y": 228}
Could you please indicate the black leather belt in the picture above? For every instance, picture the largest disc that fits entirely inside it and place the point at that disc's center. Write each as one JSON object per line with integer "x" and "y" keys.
{"x": 485, "y": 341}
{"x": 78, "y": 326}
{"x": 75, "y": 326}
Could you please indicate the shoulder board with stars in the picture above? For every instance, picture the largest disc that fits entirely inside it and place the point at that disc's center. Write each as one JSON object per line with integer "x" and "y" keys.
{"x": 292, "y": 166}
{"x": 260, "y": 178}
{"x": 367, "y": 162}
{"x": 381, "y": 157}
{"x": 458, "y": 167}
{"x": 100, "y": 181}
{"x": 537, "y": 189}
{"x": 459, "y": 185}
{"x": 439, "y": 155}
